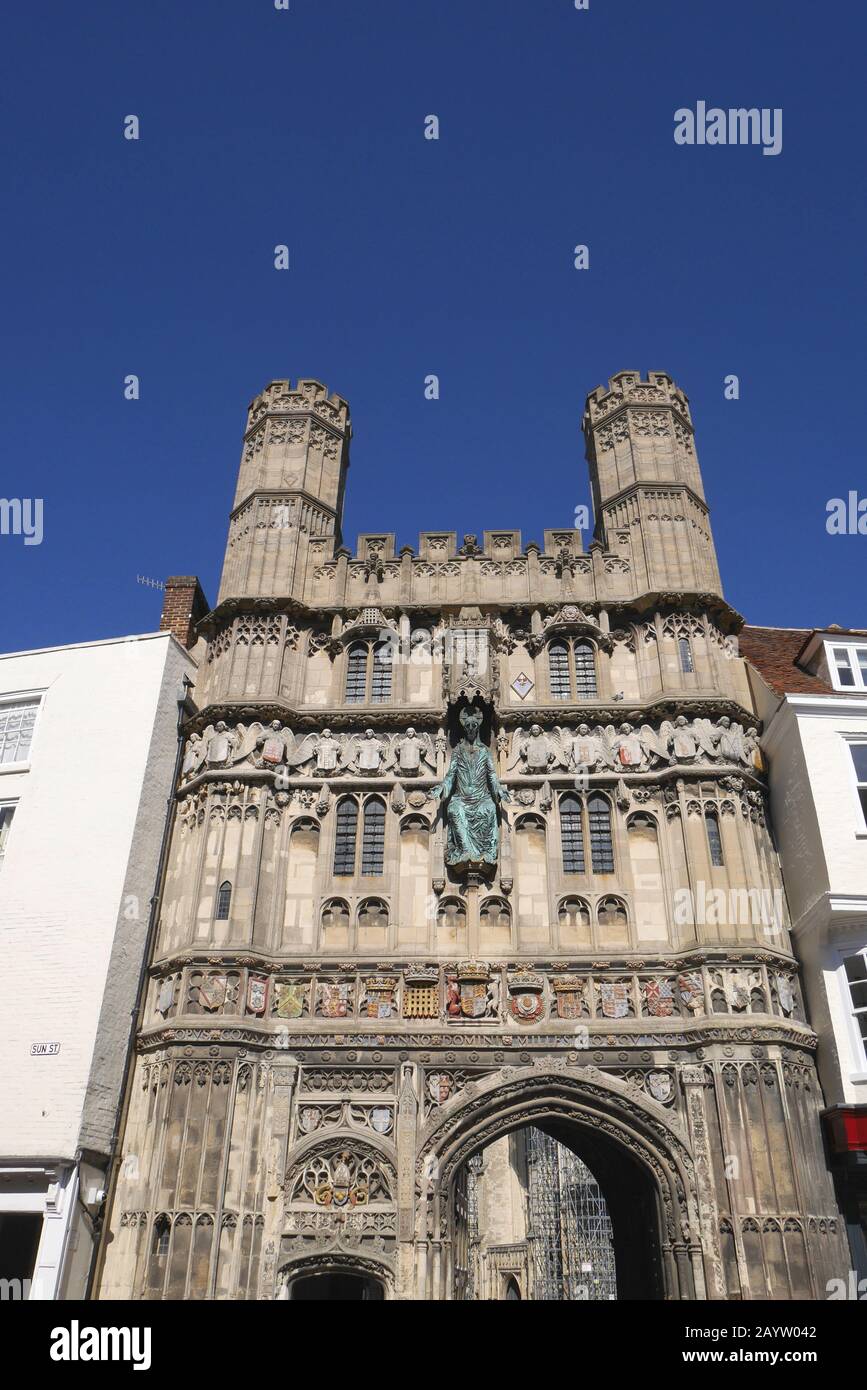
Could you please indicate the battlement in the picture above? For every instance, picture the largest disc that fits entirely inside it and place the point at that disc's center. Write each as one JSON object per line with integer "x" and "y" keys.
{"x": 308, "y": 396}
{"x": 629, "y": 388}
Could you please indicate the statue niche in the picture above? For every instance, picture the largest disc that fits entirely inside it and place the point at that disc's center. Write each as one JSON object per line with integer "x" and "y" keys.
{"x": 470, "y": 794}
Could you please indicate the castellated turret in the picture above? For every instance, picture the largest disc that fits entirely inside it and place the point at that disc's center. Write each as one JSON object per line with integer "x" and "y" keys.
{"x": 290, "y": 488}
{"x": 646, "y": 483}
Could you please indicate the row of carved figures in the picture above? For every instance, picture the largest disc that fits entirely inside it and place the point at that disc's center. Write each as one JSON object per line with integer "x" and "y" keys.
{"x": 533, "y": 751}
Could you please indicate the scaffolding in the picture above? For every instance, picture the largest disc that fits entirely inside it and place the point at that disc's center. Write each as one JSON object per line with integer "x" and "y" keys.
{"x": 569, "y": 1229}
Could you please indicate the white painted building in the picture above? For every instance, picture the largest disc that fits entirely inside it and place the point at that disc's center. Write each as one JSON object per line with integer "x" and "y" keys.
{"x": 88, "y": 745}
{"x": 811, "y": 692}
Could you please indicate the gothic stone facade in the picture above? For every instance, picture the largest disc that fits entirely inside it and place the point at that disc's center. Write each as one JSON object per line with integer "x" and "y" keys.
{"x": 336, "y": 1021}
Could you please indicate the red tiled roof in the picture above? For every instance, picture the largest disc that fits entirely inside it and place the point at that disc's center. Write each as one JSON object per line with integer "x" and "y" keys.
{"x": 772, "y": 650}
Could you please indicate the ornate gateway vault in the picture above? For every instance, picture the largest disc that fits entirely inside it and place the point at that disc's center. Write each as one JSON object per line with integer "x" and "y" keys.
{"x": 467, "y": 840}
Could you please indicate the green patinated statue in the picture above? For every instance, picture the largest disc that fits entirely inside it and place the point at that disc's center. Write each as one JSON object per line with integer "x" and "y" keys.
{"x": 471, "y": 792}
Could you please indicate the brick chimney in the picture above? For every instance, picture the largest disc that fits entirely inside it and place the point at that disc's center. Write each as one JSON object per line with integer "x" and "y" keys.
{"x": 184, "y": 605}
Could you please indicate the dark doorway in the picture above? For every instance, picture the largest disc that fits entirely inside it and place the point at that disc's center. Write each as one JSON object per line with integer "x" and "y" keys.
{"x": 19, "y": 1241}
{"x": 340, "y": 1287}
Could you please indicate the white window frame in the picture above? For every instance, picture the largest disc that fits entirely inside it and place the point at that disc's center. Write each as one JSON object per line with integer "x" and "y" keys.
{"x": 23, "y": 697}
{"x": 6, "y": 804}
{"x": 851, "y": 741}
{"x": 857, "y": 1044}
{"x": 851, "y": 649}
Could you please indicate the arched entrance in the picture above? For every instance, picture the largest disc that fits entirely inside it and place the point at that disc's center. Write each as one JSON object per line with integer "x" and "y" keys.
{"x": 642, "y": 1161}
{"x": 338, "y": 1285}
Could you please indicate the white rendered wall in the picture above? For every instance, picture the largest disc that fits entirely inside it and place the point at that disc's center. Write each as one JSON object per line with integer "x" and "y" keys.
{"x": 822, "y": 839}
{"x": 67, "y": 868}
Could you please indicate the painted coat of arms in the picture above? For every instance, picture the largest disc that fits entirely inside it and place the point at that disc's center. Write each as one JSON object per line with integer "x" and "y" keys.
{"x": 614, "y": 998}
{"x": 291, "y": 999}
{"x": 439, "y": 1087}
{"x": 467, "y": 991}
{"x": 526, "y": 1001}
{"x": 660, "y": 1086}
{"x": 569, "y": 996}
{"x": 335, "y": 1000}
{"x": 379, "y": 998}
{"x": 659, "y": 996}
{"x": 212, "y": 992}
{"x": 257, "y": 994}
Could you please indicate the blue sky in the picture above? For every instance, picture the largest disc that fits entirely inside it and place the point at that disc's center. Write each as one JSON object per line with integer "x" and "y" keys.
{"x": 411, "y": 257}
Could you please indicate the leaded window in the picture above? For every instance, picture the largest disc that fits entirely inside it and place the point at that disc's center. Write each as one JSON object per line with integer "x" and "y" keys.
{"x": 601, "y": 846}
{"x": 558, "y": 665}
{"x": 373, "y": 838}
{"x": 714, "y": 842}
{"x": 686, "y": 663}
{"x": 572, "y": 670}
{"x": 571, "y": 834}
{"x": 356, "y": 674}
{"x": 345, "y": 835}
{"x": 224, "y": 901}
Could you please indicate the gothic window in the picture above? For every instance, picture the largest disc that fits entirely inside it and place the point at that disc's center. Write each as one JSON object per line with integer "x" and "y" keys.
{"x": 571, "y": 834}
{"x": 572, "y": 670}
{"x": 356, "y": 674}
{"x": 345, "y": 834}
{"x": 373, "y": 836}
{"x": 558, "y": 665}
{"x": 368, "y": 673}
{"x": 685, "y": 651}
{"x": 381, "y": 678}
{"x": 585, "y": 671}
{"x": 224, "y": 901}
{"x": 714, "y": 842}
{"x": 601, "y": 847}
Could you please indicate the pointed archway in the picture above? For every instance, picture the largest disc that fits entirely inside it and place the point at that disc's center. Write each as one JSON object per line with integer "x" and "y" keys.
{"x": 634, "y": 1141}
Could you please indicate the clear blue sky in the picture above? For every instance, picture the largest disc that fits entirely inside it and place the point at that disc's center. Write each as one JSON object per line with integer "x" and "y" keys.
{"x": 411, "y": 257}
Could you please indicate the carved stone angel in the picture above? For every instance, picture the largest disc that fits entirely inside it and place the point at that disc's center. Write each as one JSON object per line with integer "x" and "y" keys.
{"x": 731, "y": 741}
{"x": 409, "y": 750}
{"x": 707, "y": 737}
{"x": 364, "y": 754}
{"x": 629, "y": 750}
{"x": 533, "y": 750}
{"x": 655, "y": 744}
{"x": 683, "y": 744}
